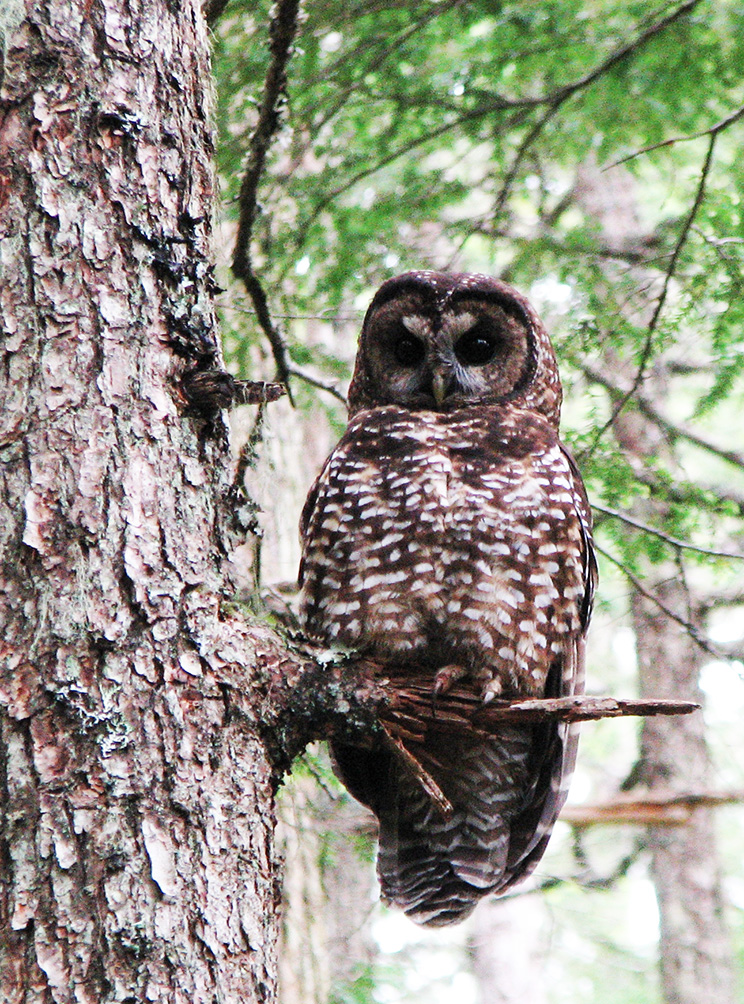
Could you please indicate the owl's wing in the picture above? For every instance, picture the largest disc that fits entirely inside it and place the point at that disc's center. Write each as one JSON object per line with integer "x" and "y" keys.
{"x": 309, "y": 509}
{"x": 508, "y": 790}
{"x": 555, "y": 745}
{"x": 584, "y": 513}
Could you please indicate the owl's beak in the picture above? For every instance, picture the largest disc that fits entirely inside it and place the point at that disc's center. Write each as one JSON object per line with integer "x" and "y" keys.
{"x": 439, "y": 386}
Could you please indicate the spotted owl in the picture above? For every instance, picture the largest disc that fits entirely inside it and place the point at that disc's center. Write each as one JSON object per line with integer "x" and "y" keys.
{"x": 449, "y": 533}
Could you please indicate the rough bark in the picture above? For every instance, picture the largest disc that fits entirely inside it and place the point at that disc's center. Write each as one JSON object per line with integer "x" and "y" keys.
{"x": 137, "y": 802}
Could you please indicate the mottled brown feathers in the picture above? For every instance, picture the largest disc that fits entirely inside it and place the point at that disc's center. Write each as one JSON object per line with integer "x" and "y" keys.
{"x": 449, "y": 532}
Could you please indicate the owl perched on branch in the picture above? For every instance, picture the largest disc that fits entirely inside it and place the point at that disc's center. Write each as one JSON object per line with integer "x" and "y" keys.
{"x": 448, "y": 536}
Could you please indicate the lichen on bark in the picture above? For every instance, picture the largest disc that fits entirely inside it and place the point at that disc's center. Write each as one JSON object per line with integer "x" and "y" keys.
{"x": 137, "y": 800}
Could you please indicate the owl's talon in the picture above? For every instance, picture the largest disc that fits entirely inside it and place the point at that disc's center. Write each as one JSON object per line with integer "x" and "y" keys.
{"x": 491, "y": 690}
{"x": 446, "y": 676}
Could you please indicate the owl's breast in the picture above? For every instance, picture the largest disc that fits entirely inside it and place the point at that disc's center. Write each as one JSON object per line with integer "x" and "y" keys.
{"x": 425, "y": 543}
{"x": 372, "y": 564}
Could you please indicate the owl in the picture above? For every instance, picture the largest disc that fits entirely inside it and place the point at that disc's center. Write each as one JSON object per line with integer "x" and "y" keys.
{"x": 449, "y": 535}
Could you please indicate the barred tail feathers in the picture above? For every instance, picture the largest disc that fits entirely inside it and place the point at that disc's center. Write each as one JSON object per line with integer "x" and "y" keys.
{"x": 437, "y": 867}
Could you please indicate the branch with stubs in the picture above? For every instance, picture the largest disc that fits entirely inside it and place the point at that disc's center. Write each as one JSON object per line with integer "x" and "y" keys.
{"x": 314, "y": 693}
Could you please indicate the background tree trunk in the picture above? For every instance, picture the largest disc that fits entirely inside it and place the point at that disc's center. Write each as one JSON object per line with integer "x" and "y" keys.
{"x": 328, "y": 896}
{"x": 508, "y": 950}
{"x": 137, "y": 804}
{"x": 695, "y": 955}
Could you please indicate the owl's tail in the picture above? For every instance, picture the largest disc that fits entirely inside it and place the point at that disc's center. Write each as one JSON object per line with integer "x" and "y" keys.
{"x": 506, "y": 791}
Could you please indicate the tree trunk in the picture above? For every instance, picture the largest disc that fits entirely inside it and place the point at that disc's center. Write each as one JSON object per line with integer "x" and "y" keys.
{"x": 694, "y": 952}
{"x": 137, "y": 803}
{"x": 508, "y": 949}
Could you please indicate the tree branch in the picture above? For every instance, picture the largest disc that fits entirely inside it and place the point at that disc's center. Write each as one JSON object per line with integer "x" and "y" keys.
{"x": 209, "y": 391}
{"x": 327, "y": 386}
{"x": 681, "y": 545}
{"x": 661, "y": 299}
{"x": 312, "y": 693}
{"x": 281, "y": 39}
{"x": 626, "y": 50}
{"x": 652, "y": 809}
{"x": 712, "y": 498}
{"x": 721, "y": 126}
{"x": 521, "y": 106}
{"x": 689, "y": 627}
{"x": 555, "y": 100}
{"x": 652, "y": 413}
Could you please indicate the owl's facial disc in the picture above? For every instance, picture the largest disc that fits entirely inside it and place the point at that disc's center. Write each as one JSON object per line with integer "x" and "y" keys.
{"x": 437, "y": 356}
{"x": 424, "y": 355}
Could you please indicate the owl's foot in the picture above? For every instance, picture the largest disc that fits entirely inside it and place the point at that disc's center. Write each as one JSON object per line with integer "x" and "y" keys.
{"x": 446, "y": 676}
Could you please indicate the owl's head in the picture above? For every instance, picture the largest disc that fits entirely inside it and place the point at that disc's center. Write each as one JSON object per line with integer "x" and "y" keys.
{"x": 443, "y": 341}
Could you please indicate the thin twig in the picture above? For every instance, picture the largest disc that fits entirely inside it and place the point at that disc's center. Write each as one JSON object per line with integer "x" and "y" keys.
{"x": 386, "y": 48}
{"x": 522, "y": 106}
{"x": 555, "y": 101}
{"x": 330, "y": 314}
{"x": 672, "y": 430}
{"x": 524, "y": 146}
{"x": 281, "y": 40}
{"x": 314, "y": 381}
{"x": 713, "y": 131}
{"x": 714, "y": 498}
{"x": 672, "y": 541}
{"x": 627, "y": 50}
{"x": 661, "y": 300}
{"x": 689, "y": 627}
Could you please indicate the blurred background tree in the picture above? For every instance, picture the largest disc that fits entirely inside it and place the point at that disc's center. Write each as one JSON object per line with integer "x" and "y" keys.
{"x": 588, "y": 153}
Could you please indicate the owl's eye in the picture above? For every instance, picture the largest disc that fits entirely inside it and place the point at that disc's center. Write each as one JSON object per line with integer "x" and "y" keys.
{"x": 408, "y": 351}
{"x": 476, "y": 347}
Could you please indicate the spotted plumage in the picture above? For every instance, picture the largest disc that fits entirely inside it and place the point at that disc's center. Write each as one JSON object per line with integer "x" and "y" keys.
{"x": 449, "y": 532}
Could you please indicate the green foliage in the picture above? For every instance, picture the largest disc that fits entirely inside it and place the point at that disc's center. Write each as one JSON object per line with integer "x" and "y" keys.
{"x": 442, "y": 134}
{"x": 361, "y": 990}
{"x": 477, "y": 136}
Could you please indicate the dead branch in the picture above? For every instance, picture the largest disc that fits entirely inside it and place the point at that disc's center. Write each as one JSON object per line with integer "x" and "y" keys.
{"x": 652, "y": 809}
{"x": 315, "y": 694}
{"x": 208, "y": 391}
{"x": 412, "y": 711}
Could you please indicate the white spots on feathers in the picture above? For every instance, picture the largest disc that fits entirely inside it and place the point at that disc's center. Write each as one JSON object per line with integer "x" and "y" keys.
{"x": 421, "y": 532}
